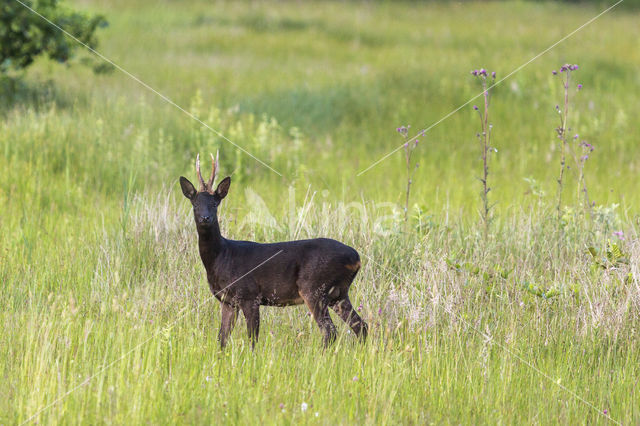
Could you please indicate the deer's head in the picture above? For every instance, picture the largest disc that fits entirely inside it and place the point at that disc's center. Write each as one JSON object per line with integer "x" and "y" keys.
{"x": 206, "y": 200}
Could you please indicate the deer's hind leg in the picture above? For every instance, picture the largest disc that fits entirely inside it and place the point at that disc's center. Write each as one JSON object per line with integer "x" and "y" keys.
{"x": 317, "y": 303}
{"x": 345, "y": 310}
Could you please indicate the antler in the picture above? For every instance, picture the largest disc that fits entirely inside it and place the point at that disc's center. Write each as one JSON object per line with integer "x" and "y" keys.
{"x": 207, "y": 186}
{"x": 214, "y": 170}
{"x": 203, "y": 186}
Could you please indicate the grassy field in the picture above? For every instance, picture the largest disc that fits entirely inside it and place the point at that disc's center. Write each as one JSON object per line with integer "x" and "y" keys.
{"x": 106, "y": 311}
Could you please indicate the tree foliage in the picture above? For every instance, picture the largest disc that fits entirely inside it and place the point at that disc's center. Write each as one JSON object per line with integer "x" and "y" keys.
{"x": 25, "y": 35}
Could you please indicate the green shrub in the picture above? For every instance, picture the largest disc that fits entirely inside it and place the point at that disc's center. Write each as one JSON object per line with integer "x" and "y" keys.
{"x": 25, "y": 35}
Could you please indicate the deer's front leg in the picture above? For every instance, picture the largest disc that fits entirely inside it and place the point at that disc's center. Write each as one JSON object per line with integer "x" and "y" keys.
{"x": 251, "y": 311}
{"x": 229, "y": 315}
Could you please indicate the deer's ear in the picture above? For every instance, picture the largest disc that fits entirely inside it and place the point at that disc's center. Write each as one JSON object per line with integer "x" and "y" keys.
{"x": 188, "y": 189}
{"x": 223, "y": 187}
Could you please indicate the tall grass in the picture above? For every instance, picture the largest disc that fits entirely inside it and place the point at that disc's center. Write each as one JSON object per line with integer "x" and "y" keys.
{"x": 98, "y": 249}
{"x": 425, "y": 296}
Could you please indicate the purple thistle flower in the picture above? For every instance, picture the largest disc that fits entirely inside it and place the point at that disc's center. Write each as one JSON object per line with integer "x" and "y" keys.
{"x": 493, "y": 75}
{"x": 606, "y": 411}
{"x": 566, "y": 67}
{"x": 379, "y": 311}
{"x": 576, "y": 136}
{"x": 584, "y": 158}
{"x": 360, "y": 308}
{"x": 475, "y": 107}
{"x": 475, "y": 73}
{"x": 587, "y": 145}
{"x": 483, "y": 72}
{"x": 403, "y": 130}
{"x": 554, "y": 72}
{"x": 355, "y": 378}
{"x": 619, "y": 234}
{"x": 579, "y": 86}
{"x": 281, "y": 405}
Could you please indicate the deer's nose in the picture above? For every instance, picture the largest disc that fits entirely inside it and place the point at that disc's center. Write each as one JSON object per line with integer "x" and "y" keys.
{"x": 205, "y": 219}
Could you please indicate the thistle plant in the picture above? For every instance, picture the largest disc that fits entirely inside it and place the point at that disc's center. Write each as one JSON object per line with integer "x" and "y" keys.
{"x": 563, "y": 130}
{"x": 484, "y": 137}
{"x": 410, "y": 144}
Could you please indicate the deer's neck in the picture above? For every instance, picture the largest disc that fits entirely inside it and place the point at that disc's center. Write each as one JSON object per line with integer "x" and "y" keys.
{"x": 210, "y": 244}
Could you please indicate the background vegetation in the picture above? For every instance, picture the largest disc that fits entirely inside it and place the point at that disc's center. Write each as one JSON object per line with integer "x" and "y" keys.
{"x": 98, "y": 251}
{"x": 24, "y": 35}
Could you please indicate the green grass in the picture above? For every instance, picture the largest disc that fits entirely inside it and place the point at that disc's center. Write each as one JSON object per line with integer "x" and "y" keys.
{"x": 98, "y": 250}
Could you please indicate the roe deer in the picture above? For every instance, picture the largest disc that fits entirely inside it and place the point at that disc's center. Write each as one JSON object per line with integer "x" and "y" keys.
{"x": 317, "y": 272}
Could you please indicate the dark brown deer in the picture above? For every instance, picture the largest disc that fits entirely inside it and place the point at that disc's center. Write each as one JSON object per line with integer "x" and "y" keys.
{"x": 243, "y": 275}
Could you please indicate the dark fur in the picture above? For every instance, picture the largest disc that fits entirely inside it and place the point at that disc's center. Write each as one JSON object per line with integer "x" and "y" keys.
{"x": 316, "y": 272}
